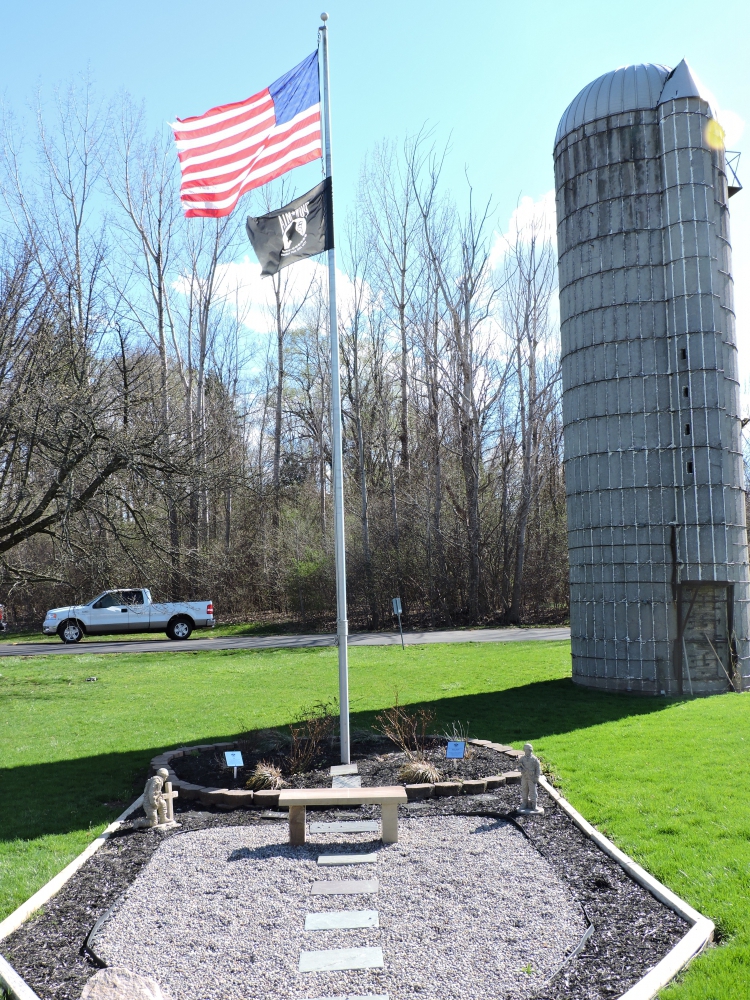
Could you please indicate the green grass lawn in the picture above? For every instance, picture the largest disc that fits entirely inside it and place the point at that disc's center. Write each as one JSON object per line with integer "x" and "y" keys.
{"x": 669, "y": 781}
{"x": 246, "y": 628}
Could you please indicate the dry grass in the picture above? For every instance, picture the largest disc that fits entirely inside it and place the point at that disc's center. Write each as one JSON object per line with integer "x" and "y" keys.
{"x": 264, "y": 776}
{"x": 419, "y": 772}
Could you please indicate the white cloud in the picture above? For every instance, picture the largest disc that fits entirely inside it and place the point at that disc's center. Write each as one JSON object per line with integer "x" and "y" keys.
{"x": 240, "y": 285}
{"x": 531, "y": 214}
{"x": 526, "y": 216}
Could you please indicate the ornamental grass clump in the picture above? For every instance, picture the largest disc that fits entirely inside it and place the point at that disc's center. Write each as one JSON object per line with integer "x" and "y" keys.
{"x": 265, "y": 776}
{"x": 419, "y": 772}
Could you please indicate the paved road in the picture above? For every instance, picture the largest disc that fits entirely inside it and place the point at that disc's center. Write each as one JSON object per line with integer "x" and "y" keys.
{"x": 282, "y": 641}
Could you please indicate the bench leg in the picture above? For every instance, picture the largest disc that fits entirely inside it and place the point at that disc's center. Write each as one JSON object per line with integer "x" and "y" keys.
{"x": 389, "y": 822}
{"x": 297, "y": 822}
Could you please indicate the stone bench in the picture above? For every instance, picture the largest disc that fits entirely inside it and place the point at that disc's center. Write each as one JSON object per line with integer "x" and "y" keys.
{"x": 389, "y": 797}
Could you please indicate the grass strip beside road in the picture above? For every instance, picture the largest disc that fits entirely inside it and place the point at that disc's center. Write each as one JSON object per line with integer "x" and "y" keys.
{"x": 667, "y": 780}
{"x": 244, "y": 629}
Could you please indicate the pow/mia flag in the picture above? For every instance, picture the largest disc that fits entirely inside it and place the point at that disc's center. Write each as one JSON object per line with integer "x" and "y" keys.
{"x": 300, "y": 229}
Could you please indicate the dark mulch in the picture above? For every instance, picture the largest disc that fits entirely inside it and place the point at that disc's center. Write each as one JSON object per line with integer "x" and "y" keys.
{"x": 47, "y": 950}
{"x": 377, "y": 758}
{"x": 632, "y": 931}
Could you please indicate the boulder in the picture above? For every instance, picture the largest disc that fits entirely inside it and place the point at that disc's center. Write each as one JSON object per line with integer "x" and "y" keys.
{"x": 119, "y": 983}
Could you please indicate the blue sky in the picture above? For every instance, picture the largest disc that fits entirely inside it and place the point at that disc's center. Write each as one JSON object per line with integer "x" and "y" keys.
{"x": 494, "y": 77}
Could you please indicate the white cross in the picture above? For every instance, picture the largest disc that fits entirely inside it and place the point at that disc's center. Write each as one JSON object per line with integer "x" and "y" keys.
{"x": 169, "y": 795}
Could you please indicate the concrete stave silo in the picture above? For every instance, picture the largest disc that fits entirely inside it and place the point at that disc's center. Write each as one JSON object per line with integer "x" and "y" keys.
{"x": 654, "y": 477}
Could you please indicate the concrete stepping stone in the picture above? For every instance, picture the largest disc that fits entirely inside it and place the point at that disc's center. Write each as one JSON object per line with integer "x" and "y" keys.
{"x": 341, "y": 920}
{"x": 340, "y": 959}
{"x": 347, "y": 826}
{"x": 344, "y": 887}
{"x": 346, "y": 781}
{"x": 351, "y": 996}
{"x": 343, "y": 769}
{"x": 347, "y": 859}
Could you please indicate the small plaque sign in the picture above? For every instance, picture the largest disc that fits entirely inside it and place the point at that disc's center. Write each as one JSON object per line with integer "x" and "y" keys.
{"x": 233, "y": 758}
{"x": 456, "y": 750}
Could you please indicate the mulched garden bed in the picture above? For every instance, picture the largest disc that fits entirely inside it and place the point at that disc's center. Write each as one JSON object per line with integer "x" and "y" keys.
{"x": 632, "y": 931}
{"x": 377, "y": 758}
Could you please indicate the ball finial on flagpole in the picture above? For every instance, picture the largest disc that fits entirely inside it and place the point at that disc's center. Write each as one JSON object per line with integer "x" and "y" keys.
{"x": 324, "y": 16}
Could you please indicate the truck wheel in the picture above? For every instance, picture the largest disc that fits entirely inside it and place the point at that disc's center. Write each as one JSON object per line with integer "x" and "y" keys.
{"x": 70, "y": 631}
{"x": 179, "y": 628}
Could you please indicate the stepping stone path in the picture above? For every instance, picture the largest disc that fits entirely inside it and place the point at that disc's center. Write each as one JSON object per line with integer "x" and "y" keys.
{"x": 341, "y": 959}
{"x": 341, "y": 920}
{"x": 346, "y": 781}
{"x": 347, "y": 859}
{"x": 344, "y": 959}
{"x": 351, "y": 996}
{"x": 344, "y": 887}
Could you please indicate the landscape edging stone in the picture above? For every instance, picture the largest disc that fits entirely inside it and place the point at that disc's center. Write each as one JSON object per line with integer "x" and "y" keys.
{"x": 9, "y": 978}
{"x": 696, "y": 939}
{"x": 268, "y": 798}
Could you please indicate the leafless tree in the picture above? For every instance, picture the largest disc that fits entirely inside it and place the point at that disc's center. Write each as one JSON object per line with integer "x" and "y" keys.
{"x": 529, "y": 272}
{"x": 149, "y": 434}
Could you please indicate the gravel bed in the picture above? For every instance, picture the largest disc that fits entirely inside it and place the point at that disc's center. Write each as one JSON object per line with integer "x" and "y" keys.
{"x": 468, "y": 908}
{"x": 632, "y": 931}
{"x": 46, "y": 950}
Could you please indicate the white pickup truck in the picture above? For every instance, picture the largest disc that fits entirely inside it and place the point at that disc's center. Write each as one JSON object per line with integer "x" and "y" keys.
{"x": 122, "y": 611}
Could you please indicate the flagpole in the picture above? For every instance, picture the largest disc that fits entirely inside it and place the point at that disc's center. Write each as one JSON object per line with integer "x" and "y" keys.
{"x": 342, "y": 624}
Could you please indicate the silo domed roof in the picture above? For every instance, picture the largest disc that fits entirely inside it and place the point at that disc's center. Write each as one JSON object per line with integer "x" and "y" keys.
{"x": 629, "y": 88}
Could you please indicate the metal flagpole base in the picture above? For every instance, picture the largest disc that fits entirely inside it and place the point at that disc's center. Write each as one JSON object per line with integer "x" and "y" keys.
{"x": 342, "y": 638}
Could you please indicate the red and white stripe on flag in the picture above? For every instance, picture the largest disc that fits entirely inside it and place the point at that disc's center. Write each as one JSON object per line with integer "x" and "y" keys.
{"x": 236, "y": 147}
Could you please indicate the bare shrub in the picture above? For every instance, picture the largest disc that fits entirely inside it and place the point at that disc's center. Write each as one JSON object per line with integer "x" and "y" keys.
{"x": 406, "y": 729}
{"x": 265, "y": 775}
{"x": 265, "y": 740}
{"x": 314, "y": 727}
{"x": 419, "y": 772}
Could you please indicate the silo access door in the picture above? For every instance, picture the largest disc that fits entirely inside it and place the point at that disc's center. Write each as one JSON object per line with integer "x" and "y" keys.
{"x": 703, "y": 649}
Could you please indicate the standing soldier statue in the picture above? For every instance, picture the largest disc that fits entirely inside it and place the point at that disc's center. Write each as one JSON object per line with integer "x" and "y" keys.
{"x": 531, "y": 770}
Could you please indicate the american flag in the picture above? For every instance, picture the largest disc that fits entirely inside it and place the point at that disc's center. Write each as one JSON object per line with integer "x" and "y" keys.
{"x": 236, "y": 147}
